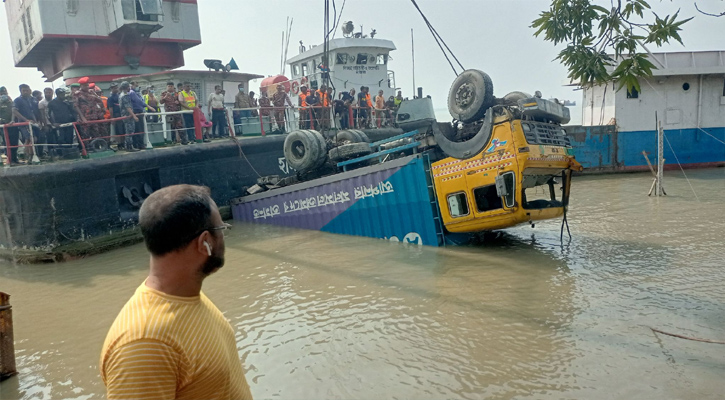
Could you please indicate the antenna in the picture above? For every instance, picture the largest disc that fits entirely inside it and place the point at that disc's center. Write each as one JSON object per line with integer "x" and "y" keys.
{"x": 412, "y": 48}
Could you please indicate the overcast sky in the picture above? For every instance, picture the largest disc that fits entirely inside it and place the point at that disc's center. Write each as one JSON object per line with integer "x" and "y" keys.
{"x": 493, "y": 36}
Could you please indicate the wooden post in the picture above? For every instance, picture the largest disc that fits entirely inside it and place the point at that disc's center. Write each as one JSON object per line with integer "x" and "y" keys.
{"x": 7, "y": 346}
{"x": 660, "y": 160}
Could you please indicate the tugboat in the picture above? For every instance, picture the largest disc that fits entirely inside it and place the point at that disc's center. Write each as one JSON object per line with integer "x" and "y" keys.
{"x": 501, "y": 162}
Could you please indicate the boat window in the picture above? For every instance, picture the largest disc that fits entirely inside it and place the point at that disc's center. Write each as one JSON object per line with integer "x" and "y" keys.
{"x": 632, "y": 93}
{"x": 296, "y": 70}
{"x": 341, "y": 58}
{"x": 382, "y": 59}
{"x": 487, "y": 198}
{"x": 542, "y": 191}
{"x": 362, "y": 59}
{"x": 458, "y": 204}
{"x": 304, "y": 69}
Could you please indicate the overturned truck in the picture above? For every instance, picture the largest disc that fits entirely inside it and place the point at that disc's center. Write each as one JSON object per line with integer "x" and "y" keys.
{"x": 501, "y": 162}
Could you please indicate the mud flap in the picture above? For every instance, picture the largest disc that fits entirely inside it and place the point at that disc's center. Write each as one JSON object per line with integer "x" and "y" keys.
{"x": 469, "y": 148}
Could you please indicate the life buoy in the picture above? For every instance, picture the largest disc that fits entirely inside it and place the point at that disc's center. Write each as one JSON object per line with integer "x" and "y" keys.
{"x": 295, "y": 87}
{"x": 304, "y": 80}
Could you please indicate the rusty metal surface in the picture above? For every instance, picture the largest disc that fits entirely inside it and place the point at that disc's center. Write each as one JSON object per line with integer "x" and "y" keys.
{"x": 7, "y": 346}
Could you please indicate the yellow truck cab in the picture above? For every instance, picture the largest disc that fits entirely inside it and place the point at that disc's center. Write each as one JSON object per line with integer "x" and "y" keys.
{"x": 523, "y": 173}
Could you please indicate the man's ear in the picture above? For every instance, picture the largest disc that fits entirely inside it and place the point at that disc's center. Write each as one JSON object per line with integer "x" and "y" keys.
{"x": 199, "y": 245}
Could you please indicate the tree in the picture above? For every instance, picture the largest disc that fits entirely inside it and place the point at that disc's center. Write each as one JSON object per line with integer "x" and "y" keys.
{"x": 597, "y": 38}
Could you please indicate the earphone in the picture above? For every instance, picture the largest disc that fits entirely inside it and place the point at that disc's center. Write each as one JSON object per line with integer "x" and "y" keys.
{"x": 208, "y": 248}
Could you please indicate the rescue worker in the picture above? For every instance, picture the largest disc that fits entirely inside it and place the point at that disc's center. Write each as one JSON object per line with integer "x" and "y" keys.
{"x": 398, "y": 99}
{"x": 363, "y": 112}
{"x": 302, "y": 104}
{"x": 170, "y": 100}
{"x": 150, "y": 99}
{"x": 323, "y": 114}
{"x": 188, "y": 101}
{"x": 280, "y": 100}
{"x": 90, "y": 108}
{"x": 264, "y": 105}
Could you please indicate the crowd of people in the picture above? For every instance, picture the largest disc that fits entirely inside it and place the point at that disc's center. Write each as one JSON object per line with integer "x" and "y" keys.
{"x": 51, "y": 113}
{"x": 364, "y": 111}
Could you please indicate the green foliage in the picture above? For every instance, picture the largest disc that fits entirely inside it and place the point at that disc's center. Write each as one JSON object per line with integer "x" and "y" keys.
{"x": 598, "y": 37}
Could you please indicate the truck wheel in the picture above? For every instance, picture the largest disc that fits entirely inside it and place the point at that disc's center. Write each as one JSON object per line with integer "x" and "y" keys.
{"x": 468, "y": 148}
{"x": 305, "y": 150}
{"x": 351, "y": 136}
{"x": 513, "y": 97}
{"x": 348, "y": 151}
{"x": 470, "y": 96}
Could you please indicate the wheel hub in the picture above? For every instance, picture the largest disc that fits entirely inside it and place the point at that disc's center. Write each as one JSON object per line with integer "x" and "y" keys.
{"x": 465, "y": 95}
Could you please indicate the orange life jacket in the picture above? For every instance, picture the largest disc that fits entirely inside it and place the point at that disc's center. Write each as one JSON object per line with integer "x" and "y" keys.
{"x": 370, "y": 103}
{"x": 107, "y": 115}
{"x": 303, "y": 99}
{"x": 323, "y": 98}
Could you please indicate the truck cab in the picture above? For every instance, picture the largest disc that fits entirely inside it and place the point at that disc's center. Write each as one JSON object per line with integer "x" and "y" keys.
{"x": 523, "y": 173}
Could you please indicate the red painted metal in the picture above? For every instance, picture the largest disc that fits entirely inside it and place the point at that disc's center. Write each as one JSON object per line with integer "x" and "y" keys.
{"x": 67, "y": 51}
{"x": 197, "y": 125}
{"x": 274, "y": 81}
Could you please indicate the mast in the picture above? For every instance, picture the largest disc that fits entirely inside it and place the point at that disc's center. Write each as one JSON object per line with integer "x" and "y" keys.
{"x": 412, "y": 48}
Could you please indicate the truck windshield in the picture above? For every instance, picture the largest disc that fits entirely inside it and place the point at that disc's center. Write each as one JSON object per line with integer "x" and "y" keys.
{"x": 542, "y": 190}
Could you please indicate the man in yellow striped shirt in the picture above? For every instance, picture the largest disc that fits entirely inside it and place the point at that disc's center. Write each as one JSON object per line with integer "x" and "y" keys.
{"x": 169, "y": 341}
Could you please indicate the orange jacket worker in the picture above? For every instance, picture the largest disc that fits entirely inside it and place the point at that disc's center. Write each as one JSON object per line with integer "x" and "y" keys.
{"x": 169, "y": 341}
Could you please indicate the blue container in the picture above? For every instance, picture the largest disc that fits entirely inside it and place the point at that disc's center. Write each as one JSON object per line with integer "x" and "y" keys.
{"x": 392, "y": 200}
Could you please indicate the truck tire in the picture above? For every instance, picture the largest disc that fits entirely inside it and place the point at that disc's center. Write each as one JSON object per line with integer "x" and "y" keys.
{"x": 305, "y": 150}
{"x": 470, "y": 96}
{"x": 348, "y": 151}
{"x": 468, "y": 148}
{"x": 351, "y": 136}
{"x": 513, "y": 97}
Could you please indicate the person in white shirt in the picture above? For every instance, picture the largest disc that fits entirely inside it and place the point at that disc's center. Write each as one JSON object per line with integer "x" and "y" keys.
{"x": 216, "y": 110}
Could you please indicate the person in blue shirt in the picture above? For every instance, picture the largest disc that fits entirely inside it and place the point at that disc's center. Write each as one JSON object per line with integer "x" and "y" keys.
{"x": 113, "y": 106}
{"x": 25, "y": 109}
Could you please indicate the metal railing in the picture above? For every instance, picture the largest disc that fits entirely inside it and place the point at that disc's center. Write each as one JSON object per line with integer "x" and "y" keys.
{"x": 167, "y": 127}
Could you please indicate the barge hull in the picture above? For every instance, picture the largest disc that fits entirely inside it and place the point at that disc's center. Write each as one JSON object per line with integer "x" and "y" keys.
{"x": 602, "y": 149}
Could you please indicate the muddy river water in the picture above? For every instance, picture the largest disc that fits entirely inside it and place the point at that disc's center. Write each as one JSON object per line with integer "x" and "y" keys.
{"x": 322, "y": 316}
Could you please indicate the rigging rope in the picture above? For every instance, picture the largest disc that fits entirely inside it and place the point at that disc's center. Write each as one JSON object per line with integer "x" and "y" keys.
{"x": 436, "y": 36}
{"x": 680, "y": 165}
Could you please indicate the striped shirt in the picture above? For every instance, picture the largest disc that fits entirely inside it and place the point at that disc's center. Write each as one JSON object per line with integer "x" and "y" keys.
{"x": 170, "y": 347}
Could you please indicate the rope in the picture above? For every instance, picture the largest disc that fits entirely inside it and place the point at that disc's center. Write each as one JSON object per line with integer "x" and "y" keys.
{"x": 686, "y": 337}
{"x": 436, "y": 36}
{"x": 680, "y": 165}
{"x": 708, "y": 134}
{"x": 241, "y": 154}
